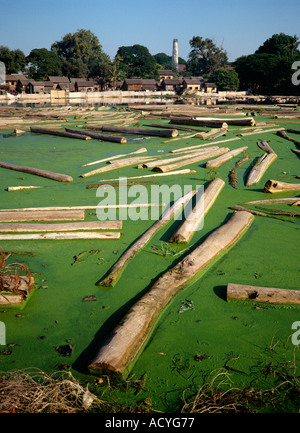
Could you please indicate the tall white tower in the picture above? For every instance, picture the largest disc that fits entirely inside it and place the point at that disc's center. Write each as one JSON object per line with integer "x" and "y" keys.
{"x": 175, "y": 54}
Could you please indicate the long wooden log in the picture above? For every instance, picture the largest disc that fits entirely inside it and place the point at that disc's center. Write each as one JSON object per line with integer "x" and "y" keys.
{"x": 41, "y": 215}
{"x": 123, "y": 345}
{"x": 197, "y": 213}
{"x": 223, "y": 158}
{"x": 263, "y": 294}
{"x": 102, "y": 137}
{"x": 205, "y": 155}
{"x": 193, "y": 122}
{"x": 113, "y": 166}
{"x": 288, "y": 200}
{"x": 87, "y": 225}
{"x": 38, "y": 172}
{"x": 294, "y": 131}
{"x": 109, "y": 158}
{"x": 277, "y": 186}
{"x": 179, "y": 128}
{"x": 208, "y": 135}
{"x": 114, "y": 273}
{"x": 260, "y": 167}
{"x": 261, "y": 131}
{"x": 171, "y": 173}
{"x": 141, "y": 131}
{"x": 21, "y": 188}
{"x": 192, "y": 148}
{"x": 63, "y": 209}
{"x": 38, "y": 130}
{"x": 60, "y": 236}
{"x": 175, "y": 159}
{"x": 249, "y": 121}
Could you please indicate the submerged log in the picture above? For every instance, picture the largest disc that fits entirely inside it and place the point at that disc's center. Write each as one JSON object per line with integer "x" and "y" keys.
{"x": 195, "y": 216}
{"x": 260, "y": 167}
{"x": 277, "y": 186}
{"x": 38, "y": 130}
{"x": 111, "y": 278}
{"x": 41, "y": 215}
{"x": 201, "y": 157}
{"x": 87, "y": 225}
{"x": 102, "y": 137}
{"x": 61, "y": 236}
{"x": 123, "y": 345}
{"x": 263, "y": 294}
{"x": 223, "y": 158}
{"x": 283, "y": 134}
{"x": 141, "y": 131}
{"x": 38, "y": 172}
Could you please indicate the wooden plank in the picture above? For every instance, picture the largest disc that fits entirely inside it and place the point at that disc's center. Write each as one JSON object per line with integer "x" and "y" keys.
{"x": 124, "y": 343}
{"x": 263, "y": 294}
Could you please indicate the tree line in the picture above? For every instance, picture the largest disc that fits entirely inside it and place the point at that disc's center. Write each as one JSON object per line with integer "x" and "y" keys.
{"x": 267, "y": 71}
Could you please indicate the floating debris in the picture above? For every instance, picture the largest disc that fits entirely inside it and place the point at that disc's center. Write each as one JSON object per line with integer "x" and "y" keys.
{"x": 186, "y": 305}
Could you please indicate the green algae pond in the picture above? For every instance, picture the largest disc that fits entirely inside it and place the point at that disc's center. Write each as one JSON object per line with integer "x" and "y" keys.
{"x": 200, "y": 333}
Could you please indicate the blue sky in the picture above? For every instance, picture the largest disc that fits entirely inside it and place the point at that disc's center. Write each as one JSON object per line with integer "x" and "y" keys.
{"x": 239, "y": 26}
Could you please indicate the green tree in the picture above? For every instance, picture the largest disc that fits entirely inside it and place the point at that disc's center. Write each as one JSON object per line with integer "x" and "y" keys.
{"x": 43, "y": 63}
{"x": 281, "y": 45}
{"x": 205, "y": 56}
{"x": 137, "y": 62}
{"x": 226, "y": 79}
{"x": 81, "y": 54}
{"x": 14, "y": 60}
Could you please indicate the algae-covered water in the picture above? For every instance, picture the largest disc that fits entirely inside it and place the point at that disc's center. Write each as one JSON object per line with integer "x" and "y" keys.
{"x": 187, "y": 344}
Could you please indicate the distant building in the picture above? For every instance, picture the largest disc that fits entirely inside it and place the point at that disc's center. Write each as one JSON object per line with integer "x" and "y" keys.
{"x": 165, "y": 74}
{"x": 58, "y": 80}
{"x": 149, "y": 85}
{"x": 133, "y": 84}
{"x": 210, "y": 88}
{"x": 192, "y": 84}
{"x": 171, "y": 84}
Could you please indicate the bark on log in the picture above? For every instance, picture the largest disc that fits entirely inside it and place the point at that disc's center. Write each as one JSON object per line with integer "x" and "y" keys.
{"x": 223, "y": 158}
{"x": 102, "y": 137}
{"x": 141, "y": 131}
{"x": 205, "y": 155}
{"x": 277, "y": 186}
{"x": 239, "y": 122}
{"x": 44, "y": 173}
{"x": 115, "y": 165}
{"x": 58, "y": 133}
{"x": 263, "y": 294}
{"x": 41, "y": 215}
{"x": 260, "y": 167}
{"x": 60, "y": 227}
{"x": 126, "y": 341}
{"x": 114, "y": 273}
{"x": 196, "y": 215}
{"x": 61, "y": 236}
{"x": 193, "y": 122}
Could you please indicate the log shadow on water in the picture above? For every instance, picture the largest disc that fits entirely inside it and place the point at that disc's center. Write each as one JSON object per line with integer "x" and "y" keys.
{"x": 221, "y": 292}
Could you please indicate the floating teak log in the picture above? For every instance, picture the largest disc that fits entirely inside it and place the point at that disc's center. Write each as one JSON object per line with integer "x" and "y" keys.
{"x": 277, "y": 186}
{"x": 193, "y": 122}
{"x": 239, "y": 122}
{"x": 223, "y": 158}
{"x": 21, "y": 188}
{"x": 38, "y": 172}
{"x": 61, "y": 236}
{"x": 260, "y": 167}
{"x": 102, "y": 137}
{"x": 263, "y": 294}
{"x": 200, "y": 157}
{"x": 109, "y": 158}
{"x": 119, "y": 164}
{"x": 194, "y": 218}
{"x": 141, "y": 131}
{"x": 123, "y": 345}
{"x": 86, "y": 225}
{"x": 283, "y": 134}
{"x": 17, "y": 215}
{"x": 38, "y": 130}
{"x": 111, "y": 278}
